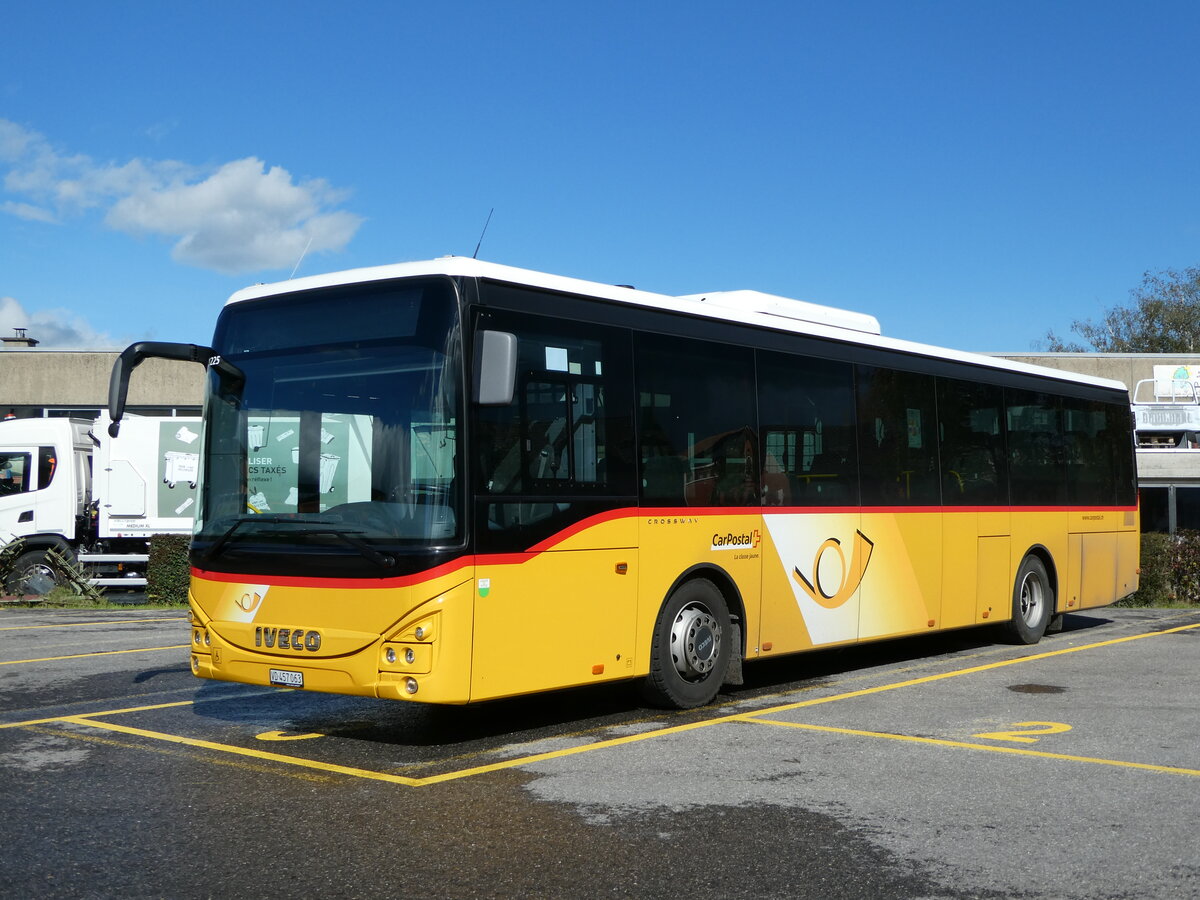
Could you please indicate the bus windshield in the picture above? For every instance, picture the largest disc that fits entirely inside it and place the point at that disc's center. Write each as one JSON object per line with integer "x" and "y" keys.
{"x": 334, "y": 453}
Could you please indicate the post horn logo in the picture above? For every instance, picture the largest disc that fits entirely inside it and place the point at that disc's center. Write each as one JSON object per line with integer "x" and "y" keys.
{"x": 849, "y": 579}
{"x": 249, "y": 601}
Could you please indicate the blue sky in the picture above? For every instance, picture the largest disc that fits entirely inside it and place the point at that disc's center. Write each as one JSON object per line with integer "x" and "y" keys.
{"x": 971, "y": 173}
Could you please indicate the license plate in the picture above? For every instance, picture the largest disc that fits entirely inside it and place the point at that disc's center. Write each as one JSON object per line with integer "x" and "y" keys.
{"x": 287, "y": 679}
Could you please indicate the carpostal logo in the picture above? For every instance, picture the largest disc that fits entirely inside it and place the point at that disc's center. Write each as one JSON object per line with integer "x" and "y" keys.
{"x": 736, "y": 541}
{"x": 831, "y": 595}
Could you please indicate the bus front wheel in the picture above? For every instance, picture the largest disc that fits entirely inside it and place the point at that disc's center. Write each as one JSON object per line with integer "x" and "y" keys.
{"x": 690, "y": 649}
{"x": 1033, "y": 602}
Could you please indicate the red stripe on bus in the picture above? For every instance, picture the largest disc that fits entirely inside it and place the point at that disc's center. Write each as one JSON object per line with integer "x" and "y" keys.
{"x": 548, "y": 545}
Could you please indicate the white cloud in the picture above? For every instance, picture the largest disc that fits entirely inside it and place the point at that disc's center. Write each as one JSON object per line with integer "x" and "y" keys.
{"x": 28, "y": 211}
{"x": 240, "y": 217}
{"x": 53, "y": 327}
{"x": 14, "y": 140}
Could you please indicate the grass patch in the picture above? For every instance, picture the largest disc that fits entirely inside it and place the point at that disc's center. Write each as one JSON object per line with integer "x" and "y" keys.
{"x": 65, "y": 598}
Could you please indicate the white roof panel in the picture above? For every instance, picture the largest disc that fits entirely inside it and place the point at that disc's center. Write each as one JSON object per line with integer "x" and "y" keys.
{"x": 749, "y": 307}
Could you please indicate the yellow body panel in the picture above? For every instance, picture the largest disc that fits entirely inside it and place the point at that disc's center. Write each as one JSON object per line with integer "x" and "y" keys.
{"x": 582, "y": 608}
{"x": 556, "y": 619}
{"x": 242, "y": 626}
{"x": 994, "y": 576}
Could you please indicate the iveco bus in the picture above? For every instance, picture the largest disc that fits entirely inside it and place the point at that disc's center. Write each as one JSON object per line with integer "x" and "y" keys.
{"x": 451, "y": 481}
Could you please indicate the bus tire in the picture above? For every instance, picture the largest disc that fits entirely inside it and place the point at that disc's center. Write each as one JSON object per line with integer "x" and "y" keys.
{"x": 690, "y": 649}
{"x": 1033, "y": 602}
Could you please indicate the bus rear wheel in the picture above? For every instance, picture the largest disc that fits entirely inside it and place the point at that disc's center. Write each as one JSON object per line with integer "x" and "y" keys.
{"x": 690, "y": 649}
{"x": 1033, "y": 602}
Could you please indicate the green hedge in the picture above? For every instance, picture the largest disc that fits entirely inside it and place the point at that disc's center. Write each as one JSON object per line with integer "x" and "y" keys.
{"x": 1170, "y": 571}
{"x": 167, "y": 571}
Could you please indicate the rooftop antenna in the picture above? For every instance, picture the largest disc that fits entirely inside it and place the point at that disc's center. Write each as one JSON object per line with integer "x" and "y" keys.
{"x": 301, "y": 259}
{"x": 475, "y": 255}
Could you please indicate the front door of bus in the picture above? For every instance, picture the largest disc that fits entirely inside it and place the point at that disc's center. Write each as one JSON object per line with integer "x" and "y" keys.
{"x": 554, "y": 524}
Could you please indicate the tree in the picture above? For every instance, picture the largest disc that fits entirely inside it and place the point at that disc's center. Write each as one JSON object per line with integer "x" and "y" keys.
{"x": 1162, "y": 317}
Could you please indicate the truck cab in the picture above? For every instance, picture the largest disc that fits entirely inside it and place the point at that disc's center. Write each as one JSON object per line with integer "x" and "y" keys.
{"x": 45, "y": 488}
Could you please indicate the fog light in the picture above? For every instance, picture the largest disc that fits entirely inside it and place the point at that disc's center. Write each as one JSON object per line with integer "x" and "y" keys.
{"x": 410, "y": 685}
{"x": 409, "y": 656}
{"x": 195, "y": 666}
{"x": 390, "y": 655}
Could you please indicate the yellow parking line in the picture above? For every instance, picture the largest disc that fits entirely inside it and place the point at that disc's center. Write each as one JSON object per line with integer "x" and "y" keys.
{"x": 102, "y": 622}
{"x": 136, "y": 709}
{"x": 243, "y": 751}
{"x": 1016, "y": 751}
{"x": 17, "y": 662}
{"x": 942, "y": 676}
{"x": 49, "y": 720}
{"x": 569, "y": 751}
{"x": 754, "y": 716}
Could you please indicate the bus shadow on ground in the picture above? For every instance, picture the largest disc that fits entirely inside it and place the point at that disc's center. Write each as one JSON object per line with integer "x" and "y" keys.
{"x": 773, "y": 675}
{"x": 578, "y": 713}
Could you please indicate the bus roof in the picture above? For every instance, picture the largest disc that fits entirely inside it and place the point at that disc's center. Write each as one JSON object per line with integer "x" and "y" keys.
{"x": 742, "y": 306}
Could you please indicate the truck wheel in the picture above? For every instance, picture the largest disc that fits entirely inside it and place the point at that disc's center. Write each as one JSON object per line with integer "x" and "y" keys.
{"x": 690, "y": 649}
{"x": 1033, "y": 602}
{"x": 32, "y": 574}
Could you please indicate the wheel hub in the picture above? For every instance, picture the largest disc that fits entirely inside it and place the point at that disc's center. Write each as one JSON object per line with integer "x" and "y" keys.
{"x": 1031, "y": 599}
{"x": 695, "y": 641}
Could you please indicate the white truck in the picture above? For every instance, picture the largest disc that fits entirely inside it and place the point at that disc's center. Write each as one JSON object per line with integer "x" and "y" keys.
{"x": 66, "y": 485}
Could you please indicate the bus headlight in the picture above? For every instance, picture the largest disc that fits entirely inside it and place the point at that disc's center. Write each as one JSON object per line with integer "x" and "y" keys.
{"x": 390, "y": 655}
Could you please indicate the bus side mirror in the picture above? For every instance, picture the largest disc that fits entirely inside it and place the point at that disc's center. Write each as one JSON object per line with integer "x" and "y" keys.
{"x": 495, "y": 368}
{"x": 133, "y": 356}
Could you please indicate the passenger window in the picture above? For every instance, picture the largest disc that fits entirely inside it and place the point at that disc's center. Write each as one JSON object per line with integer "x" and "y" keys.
{"x": 1119, "y": 433}
{"x": 1036, "y": 457}
{"x": 971, "y": 432}
{"x": 810, "y": 457}
{"x": 896, "y": 438}
{"x": 697, "y": 418}
{"x": 1087, "y": 454}
{"x": 1097, "y": 439}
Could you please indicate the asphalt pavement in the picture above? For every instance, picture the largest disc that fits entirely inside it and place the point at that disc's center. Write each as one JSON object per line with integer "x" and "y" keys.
{"x": 940, "y": 767}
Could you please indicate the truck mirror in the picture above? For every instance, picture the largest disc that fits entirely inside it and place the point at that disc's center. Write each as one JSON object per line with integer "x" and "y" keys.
{"x": 495, "y": 367}
{"x": 133, "y": 356}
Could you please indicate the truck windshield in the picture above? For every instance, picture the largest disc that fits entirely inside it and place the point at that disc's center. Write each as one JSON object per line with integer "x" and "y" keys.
{"x": 336, "y": 455}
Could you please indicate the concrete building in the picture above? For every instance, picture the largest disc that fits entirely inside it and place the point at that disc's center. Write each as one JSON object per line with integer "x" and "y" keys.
{"x": 41, "y": 382}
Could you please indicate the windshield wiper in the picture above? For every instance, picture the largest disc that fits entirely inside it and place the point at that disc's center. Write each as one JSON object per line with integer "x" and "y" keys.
{"x": 381, "y": 559}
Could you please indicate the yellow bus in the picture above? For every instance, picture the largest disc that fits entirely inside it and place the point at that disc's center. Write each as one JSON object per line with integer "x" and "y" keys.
{"x": 453, "y": 481}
